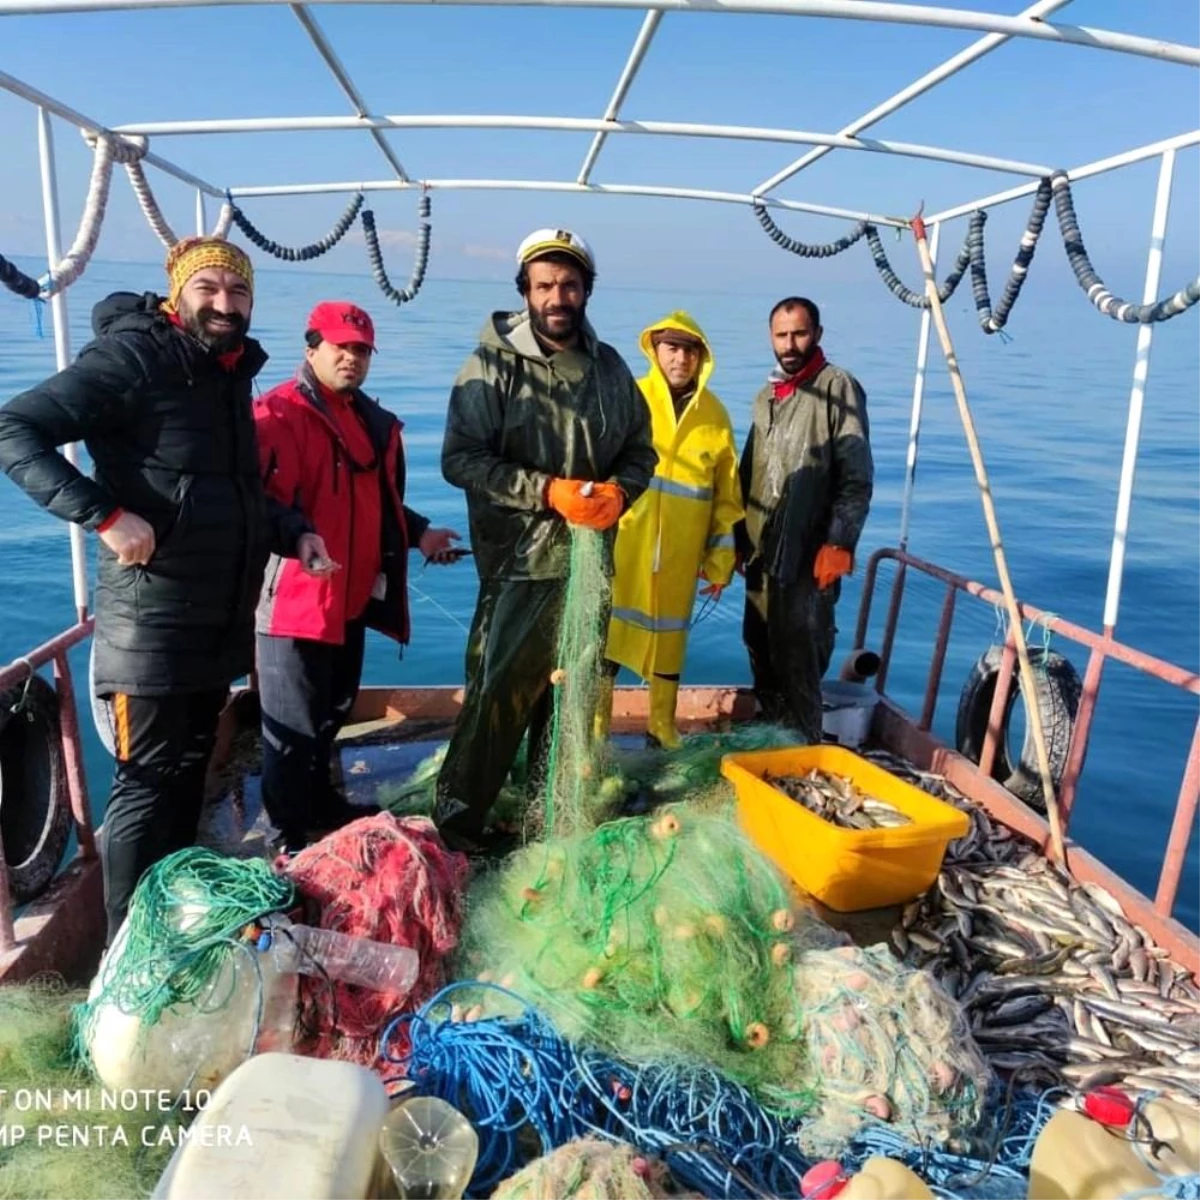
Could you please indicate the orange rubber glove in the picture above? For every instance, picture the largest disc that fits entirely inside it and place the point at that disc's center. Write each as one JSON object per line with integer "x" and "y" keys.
{"x": 599, "y": 510}
{"x": 608, "y": 503}
{"x": 713, "y": 590}
{"x": 831, "y": 564}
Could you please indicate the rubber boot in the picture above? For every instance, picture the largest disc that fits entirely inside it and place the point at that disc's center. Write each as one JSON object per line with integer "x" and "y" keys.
{"x": 660, "y": 728}
{"x": 602, "y": 718}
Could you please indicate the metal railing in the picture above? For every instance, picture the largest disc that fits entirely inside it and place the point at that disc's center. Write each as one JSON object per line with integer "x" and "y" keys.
{"x": 15, "y": 674}
{"x": 1102, "y": 647}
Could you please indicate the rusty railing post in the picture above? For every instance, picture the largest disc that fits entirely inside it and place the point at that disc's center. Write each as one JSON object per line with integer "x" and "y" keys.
{"x": 1080, "y": 736}
{"x": 72, "y": 748}
{"x": 868, "y": 594}
{"x": 1008, "y": 659}
{"x": 889, "y": 629}
{"x": 1181, "y": 831}
{"x": 938, "y": 661}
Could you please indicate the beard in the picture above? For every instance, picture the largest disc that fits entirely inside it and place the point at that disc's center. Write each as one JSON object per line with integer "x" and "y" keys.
{"x": 218, "y": 342}
{"x": 540, "y": 319}
{"x": 790, "y": 364}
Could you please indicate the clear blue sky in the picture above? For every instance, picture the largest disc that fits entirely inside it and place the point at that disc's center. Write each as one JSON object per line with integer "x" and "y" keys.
{"x": 1034, "y": 101}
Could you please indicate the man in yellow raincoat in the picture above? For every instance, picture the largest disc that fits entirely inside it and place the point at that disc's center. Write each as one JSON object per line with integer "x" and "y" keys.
{"x": 680, "y": 530}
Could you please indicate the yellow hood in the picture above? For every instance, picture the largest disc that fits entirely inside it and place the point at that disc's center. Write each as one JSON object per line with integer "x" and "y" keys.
{"x": 684, "y": 323}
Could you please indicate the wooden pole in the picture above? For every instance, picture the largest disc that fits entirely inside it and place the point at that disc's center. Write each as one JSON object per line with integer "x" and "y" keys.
{"x": 1028, "y": 683}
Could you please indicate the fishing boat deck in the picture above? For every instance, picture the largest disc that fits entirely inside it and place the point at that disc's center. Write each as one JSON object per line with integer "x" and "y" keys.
{"x": 1059, "y": 975}
{"x": 1057, "y": 984}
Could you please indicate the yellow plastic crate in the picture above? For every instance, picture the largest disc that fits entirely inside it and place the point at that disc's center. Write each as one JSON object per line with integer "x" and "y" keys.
{"x": 846, "y": 869}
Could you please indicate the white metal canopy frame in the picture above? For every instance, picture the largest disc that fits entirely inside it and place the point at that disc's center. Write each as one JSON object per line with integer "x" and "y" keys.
{"x": 127, "y": 144}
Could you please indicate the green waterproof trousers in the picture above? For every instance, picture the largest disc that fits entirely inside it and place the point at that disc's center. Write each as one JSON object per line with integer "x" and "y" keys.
{"x": 789, "y": 631}
{"x": 510, "y": 656}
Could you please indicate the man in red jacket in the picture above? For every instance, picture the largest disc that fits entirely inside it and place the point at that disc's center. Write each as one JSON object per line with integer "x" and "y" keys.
{"x": 335, "y": 454}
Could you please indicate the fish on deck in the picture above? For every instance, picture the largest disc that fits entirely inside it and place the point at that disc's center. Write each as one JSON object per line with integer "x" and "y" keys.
{"x": 835, "y": 799}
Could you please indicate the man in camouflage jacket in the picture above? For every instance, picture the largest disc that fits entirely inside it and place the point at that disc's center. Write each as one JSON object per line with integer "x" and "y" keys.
{"x": 807, "y": 478}
{"x": 546, "y": 427}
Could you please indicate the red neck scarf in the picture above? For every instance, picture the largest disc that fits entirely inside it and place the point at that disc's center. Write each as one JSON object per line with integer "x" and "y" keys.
{"x": 783, "y": 386}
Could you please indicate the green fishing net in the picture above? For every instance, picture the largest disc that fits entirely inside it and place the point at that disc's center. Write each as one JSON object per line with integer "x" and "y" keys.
{"x": 65, "y": 1136}
{"x": 576, "y": 797}
{"x": 180, "y": 997}
{"x": 670, "y": 935}
{"x": 885, "y": 1042}
{"x": 661, "y": 937}
{"x": 184, "y": 924}
{"x": 589, "y": 1169}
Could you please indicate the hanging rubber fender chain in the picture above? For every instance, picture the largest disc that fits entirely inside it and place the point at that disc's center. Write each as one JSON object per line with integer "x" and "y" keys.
{"x": 301, "y": 253}
{"x": 17, "y": 281}
{"x": 896, "y": 286}
{"x": 989, "y": 321}
{"x": 804, "y": 249}
{"x": 1093, "y": 285}
{"x": 1057, "y": 188}
{"x": 420, "y": 263}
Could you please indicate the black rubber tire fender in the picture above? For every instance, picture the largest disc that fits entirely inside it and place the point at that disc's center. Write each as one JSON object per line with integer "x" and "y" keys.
{"x": 1058, "y": 691}
{"x": 35, "y": 808}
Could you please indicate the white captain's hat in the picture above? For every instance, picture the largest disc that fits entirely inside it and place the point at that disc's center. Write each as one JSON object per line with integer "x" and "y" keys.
{"x": 550, "y": 241}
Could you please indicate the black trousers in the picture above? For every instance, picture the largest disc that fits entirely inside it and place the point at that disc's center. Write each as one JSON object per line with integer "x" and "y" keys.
{"x": 510, "y": 655}
{"x": 789, "y": 631}
{"x": 306, "y": 690}
{"x": 163, "y": 745}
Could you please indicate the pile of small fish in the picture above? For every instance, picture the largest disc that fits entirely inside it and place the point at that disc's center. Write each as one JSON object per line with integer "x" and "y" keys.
{"x": 1058, "y": 985}
{"x": 835, "y": 799}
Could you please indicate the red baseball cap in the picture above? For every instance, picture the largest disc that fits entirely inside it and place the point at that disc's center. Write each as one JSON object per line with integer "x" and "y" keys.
{"x": 342, "y": 323}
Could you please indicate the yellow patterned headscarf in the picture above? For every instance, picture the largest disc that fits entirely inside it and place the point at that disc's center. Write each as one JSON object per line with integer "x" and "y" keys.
{"x": 194, "y": 254}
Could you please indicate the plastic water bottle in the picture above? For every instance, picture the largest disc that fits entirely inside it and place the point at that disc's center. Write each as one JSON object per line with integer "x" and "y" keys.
{"x": 326, "y": 953}
{"x": 430, "y": 1147}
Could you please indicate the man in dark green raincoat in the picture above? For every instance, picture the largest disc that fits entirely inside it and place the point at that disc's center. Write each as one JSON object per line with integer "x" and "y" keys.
{"x": 546, "y": 427}
{"x": 807, "y": 477}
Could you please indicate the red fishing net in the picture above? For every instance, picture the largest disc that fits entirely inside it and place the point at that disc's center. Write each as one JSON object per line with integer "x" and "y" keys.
{"x": 392, "y": 880}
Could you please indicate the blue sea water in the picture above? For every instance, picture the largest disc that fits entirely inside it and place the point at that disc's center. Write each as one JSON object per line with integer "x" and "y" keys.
{"x": 1050, "y": 406}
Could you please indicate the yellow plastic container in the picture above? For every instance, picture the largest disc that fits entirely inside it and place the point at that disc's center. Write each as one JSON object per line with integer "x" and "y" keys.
{"x": 1077, "y": 1157}
{"x": 885, "y": 1179}
{"x": 846, "y": 869}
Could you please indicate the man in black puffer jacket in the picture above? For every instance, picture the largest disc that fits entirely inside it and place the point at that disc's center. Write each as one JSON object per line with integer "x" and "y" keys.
{"x": 162, "y": 400}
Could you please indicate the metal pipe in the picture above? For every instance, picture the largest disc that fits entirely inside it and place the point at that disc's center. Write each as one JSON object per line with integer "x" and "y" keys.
{"x": 632, "y": 65}
{"x": 18, "y": 670}
{"x": 537, "y": 185}
{"x": 914, "y": 425}
{"x": 934, "y": 682}
{"x": 1181, "y": 831}
{"x": 72, "y": 747}
{"x": 342, "y": 76}
{"x": 974, "y": 52}
{"x": 883, "y": 11}
{"x": 910, "y": 476}
{"x": 859, "y": 666}
{"x": 1102, "y": 165}
{"x": 1138, "y": 659}
{"x": 864, "y": 603}
{"x": 889, "y": 627}
{"x": 18, "y": 87}
{"x": 1004, "y": 678}
{"x": 1137, "y": 394}
{"x": 1080, "y": 734}
{"x": 605, "y": 125}
{"x": 62, "y": 337}
{"x": 201, "y": 216}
